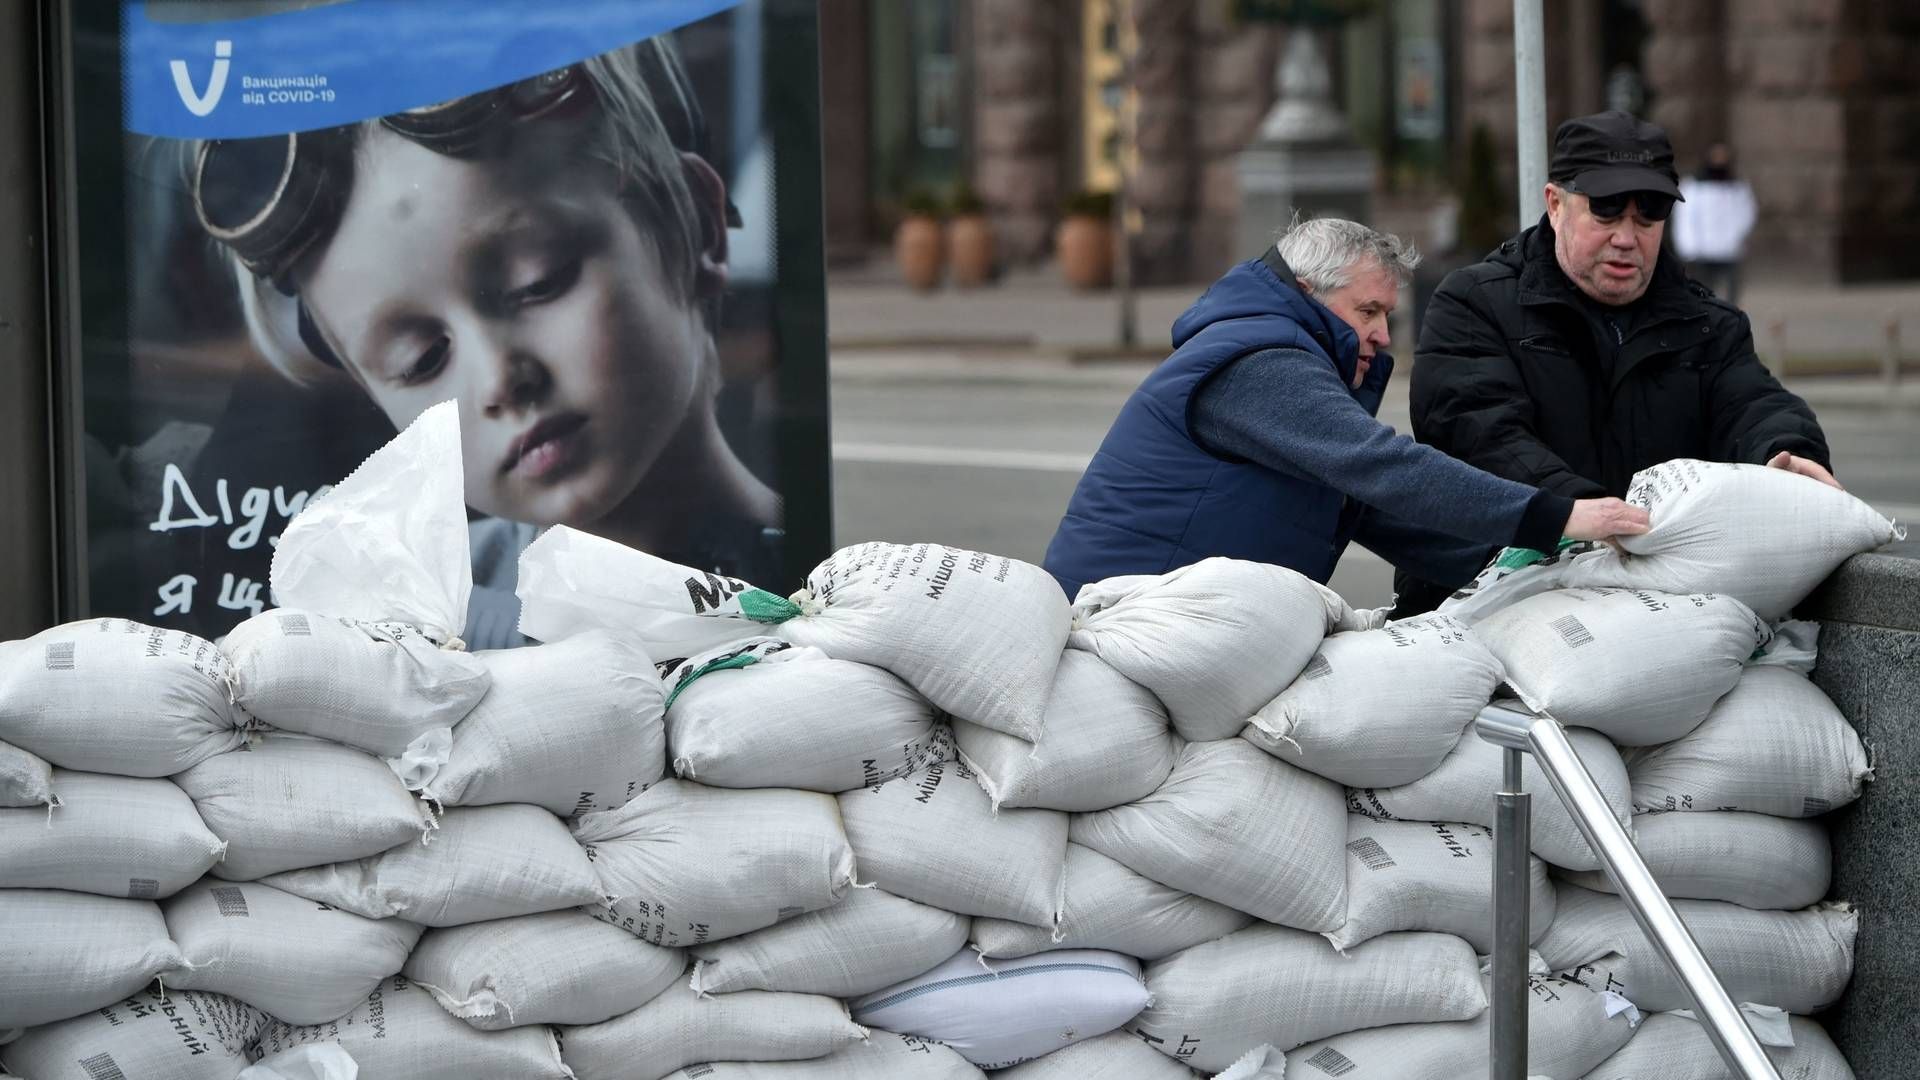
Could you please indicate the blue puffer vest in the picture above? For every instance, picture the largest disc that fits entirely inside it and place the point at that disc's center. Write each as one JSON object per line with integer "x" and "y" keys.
{"x": 1153, "y": 499}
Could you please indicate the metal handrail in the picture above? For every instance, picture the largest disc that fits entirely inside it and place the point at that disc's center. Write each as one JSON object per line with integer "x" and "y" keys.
{"x": 1519, "y": 731}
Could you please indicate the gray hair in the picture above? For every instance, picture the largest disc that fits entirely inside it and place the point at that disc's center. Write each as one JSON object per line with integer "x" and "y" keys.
{"x": 1325, "y": 252}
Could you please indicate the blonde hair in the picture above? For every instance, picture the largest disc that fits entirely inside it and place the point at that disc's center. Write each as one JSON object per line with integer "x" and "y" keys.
{"x": 644, "y": 115}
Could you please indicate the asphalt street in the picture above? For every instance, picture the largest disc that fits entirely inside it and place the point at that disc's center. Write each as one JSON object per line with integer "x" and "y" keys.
{"x": 981, "y": 449}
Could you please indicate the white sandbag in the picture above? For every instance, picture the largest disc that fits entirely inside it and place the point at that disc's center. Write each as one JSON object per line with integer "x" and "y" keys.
{"x": 1376, "y": 708}
{"x": 1214, "y": 641}
{"x": 303, "y": 962}
{"x": 1670, "y": 1046}
{"x": 483, "y": 862}
{"x": 685, "y": 864}
{"x": 1462, "y": 788}
{"x": 1237, "y": 827}
{"x": 679, "y": 1028}
{"x": 25, "y": 779}
{"x": 286, "y": 801}
{"x": 1640, "y": 667}
{"x": 557, "y": 967}
{"x": 978, "y": 634}
{"x": 1268, "y": 984}
{"x": 574, "y": 727}
{"x": 934, "y": 837}
{"x": 323, "y": 1061}
{"x": 378, "y": 686}
{"x": 372, "y": 582}
{"x": 800, "y": 719}
{"x": 398, "y": 1030}
{"x": 1754, "y": 860}
{"x": 1116, "y": 1055}
{"x": 1512, "y": 576}
{"x": 1763, "y": 536}
{"x": 153, "y": 1034}
{"x": 1570, "y": 1029}
{"x": 68, "y": 953}
{"x": 115, "y": 696}
{"x": 1025, "y": 1008}
{"x": 1794, "y": 960}
{"x": 1429, "y": 875}
{"x": 1775, "y": 745}
{"x": 1105, "y": 741}
{"x": 883, "y": 1056}
{"x": 1111, "y": 907}
{"x": 870, "y": 939}
{"x": 111, "y": 835}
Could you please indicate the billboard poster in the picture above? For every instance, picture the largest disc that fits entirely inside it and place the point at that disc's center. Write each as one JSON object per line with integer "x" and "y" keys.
{"x": 293, "y": 225}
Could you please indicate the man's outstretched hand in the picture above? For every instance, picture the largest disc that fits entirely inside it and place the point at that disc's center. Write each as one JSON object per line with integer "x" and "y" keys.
{"x": 1602, "y": 519}
{"x": 1805, "y": 467}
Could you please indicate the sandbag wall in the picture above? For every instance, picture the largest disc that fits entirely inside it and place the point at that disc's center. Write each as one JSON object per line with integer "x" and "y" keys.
{"x": 930, "y": 821}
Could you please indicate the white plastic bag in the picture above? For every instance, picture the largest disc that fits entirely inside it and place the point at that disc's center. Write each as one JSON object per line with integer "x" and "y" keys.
{"x": 680, "y": 1027}
{"x": 1429, "y": 875}
{"x": 305, "y": 963}
{"x": 373, "y": 581}
{"x": 868, "y": 940}
{"x": 120, "y": 697}
{"x": 483, "y": 862}
{"x": 1025, "y": 1008}
{"x": 112, "y": 835}
{"x": 400, "y": 1031}
{"x": 556, "y": 967}
{"x": 1754, "y": 860}
{"x": 153, "y": 1034}
{"x": 1111, "y": 907}
{"x": 934, "y": 837}
{"x": 321, "y": 1061}
{"x": 1236, "y": 826}
{"x": 1462, "y": 788}
{"x": 800, "y": 719}
{"x": 1799, "y": 961}
{"x": 1214, "y": 641}
{"x": 1375, "y": 708}
{"x": 287, "y": 801}
{"x": 573, "y": 726}
{"x": 685, "y": 864}
{"x": 1775, "y": 745}
{"x": 1639, "y": 667}
{"x": 1268, "y": 984}
{"x": 1105, "y": 741}
{"x": 68, "y": 953}
{"x": 25, "y": 779}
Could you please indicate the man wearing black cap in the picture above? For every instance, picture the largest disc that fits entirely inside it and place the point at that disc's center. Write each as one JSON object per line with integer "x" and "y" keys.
{"x": 1579, "y": 353}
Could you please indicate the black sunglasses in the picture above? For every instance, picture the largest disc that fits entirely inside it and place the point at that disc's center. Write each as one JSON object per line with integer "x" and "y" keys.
{"x": 1653, "y": 205}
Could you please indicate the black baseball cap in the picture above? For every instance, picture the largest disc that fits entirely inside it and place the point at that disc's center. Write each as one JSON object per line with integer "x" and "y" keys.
{"x": 1613, "y": 152}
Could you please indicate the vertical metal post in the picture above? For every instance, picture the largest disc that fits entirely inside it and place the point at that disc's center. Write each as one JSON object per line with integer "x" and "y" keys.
{"x": 1530, "y": 107}
{"x": 1513, "y": 828}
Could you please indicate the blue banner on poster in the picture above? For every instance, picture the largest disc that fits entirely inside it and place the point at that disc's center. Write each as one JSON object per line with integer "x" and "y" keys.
{"x": 342, "y": 61}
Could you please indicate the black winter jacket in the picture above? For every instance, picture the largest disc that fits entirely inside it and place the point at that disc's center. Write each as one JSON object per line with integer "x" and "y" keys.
{"x": 1509, "y": 376}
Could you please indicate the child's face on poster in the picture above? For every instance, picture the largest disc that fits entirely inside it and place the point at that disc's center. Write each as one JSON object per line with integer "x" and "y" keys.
{"x": 524, "y": 290}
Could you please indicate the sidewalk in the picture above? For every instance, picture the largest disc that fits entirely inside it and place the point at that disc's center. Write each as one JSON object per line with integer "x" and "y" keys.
{"x": 1030, "y": 315}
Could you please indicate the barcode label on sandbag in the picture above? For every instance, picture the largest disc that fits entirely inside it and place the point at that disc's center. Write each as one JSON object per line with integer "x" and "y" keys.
{"x": 1371, "y": 853}
{"x": 1571, "y": 631}
{"x": 230, "y": 900}
{"x": 1813, "y": 807}
{"x": 1317, "y": 668}
{"x": 102, "y": 1067}
{"x": 1332, "y": 1062}
{"x": 295, "y": 625}
{"x": 60, "y": 656}
{"x": 141, "y": 888}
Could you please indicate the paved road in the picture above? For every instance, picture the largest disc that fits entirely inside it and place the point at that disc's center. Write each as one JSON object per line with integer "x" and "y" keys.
{"x": 981, "y": 450}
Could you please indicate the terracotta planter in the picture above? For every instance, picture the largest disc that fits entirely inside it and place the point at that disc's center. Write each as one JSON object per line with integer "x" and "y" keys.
{"x": 917, "y": 247}
{"x": 970, "y": 250}
{"x": 1084, "y": 247}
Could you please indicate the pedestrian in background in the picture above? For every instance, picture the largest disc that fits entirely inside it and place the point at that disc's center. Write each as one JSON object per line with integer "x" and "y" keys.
{"x": 1710, "y": 228}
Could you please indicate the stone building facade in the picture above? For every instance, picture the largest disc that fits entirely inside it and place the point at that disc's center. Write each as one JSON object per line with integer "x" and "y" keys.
{"x": 1819, "y": 98}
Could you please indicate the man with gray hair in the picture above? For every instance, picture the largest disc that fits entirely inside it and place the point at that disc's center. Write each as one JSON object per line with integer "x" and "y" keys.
{"x": 1257, "y": 438}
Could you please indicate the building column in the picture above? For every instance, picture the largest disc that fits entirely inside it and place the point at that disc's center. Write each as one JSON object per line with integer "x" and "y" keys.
{"x": 1019, "y": 128}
